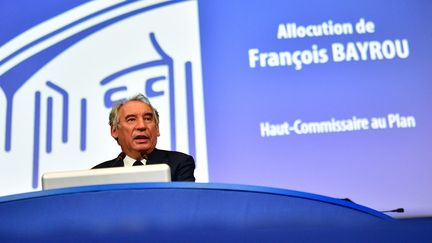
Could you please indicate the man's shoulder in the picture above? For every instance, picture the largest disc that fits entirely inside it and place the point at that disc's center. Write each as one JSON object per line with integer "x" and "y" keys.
{"x": 106, "y": 164}
{"x": 161, "y": 151}
{"x": 169, "y": 153}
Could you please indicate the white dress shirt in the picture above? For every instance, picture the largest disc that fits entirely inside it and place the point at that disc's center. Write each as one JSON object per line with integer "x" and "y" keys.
{"x": 128, "y": 161}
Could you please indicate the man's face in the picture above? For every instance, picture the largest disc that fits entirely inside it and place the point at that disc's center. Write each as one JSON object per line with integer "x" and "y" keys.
{"x": 137, "y": 131}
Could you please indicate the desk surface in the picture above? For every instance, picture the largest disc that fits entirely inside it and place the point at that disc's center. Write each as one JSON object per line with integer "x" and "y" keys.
{"x": 196, "y": 186}
{"x": 181, "y": 211}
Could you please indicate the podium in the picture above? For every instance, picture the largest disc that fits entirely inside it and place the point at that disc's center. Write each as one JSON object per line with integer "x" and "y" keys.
{"x": 185, "y": 212}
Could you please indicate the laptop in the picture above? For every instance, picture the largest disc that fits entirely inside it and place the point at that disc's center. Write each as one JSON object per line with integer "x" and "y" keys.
{"x": 115, "y": 175}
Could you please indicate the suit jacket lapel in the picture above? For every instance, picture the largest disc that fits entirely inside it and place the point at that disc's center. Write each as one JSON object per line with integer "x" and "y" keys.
{"x": 118, "y": 162}
{"x": 156, "y": 157}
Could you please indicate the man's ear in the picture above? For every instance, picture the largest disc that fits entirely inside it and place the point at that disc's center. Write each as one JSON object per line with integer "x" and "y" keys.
{"x": 114, "y": 132}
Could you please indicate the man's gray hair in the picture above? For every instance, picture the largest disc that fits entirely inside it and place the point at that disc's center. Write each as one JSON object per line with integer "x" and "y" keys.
{"x": 114, "y": 114}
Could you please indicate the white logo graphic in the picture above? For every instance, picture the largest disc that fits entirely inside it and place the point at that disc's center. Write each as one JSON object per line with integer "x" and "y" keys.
{"x": 60, "y": 78}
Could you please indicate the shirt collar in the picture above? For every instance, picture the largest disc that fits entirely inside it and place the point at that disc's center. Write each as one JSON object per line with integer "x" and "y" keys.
{"x": 128, "y": 161}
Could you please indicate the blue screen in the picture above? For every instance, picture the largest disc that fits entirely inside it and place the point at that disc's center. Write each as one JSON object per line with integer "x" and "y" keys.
{"x": 329, "y": 97}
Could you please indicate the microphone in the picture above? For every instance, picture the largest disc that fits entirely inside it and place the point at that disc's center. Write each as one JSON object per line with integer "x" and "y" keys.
{"x": 347, "y": 199}
{"x": 144, "y": 155}
{"x": 121, "y": 157}
{"x": 397, "y": 210}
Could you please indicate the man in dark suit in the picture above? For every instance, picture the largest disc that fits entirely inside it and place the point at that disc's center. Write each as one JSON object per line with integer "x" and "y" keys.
{"x": 135, "y": 125}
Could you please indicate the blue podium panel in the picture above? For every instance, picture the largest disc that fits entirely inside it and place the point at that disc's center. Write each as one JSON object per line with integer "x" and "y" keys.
{"x": 184, "y": 212}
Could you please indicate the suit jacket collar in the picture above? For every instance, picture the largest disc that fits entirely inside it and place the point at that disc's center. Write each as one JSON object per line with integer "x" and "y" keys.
{"x": 154, "y": 157}
{"x": 118, "y": 162}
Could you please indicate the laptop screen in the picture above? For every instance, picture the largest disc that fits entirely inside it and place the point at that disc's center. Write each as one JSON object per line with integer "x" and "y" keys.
{"x": 135, "y": 174}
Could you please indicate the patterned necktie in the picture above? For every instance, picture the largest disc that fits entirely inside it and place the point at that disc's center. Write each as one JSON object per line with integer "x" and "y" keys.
{"x": 137, "y": 163}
